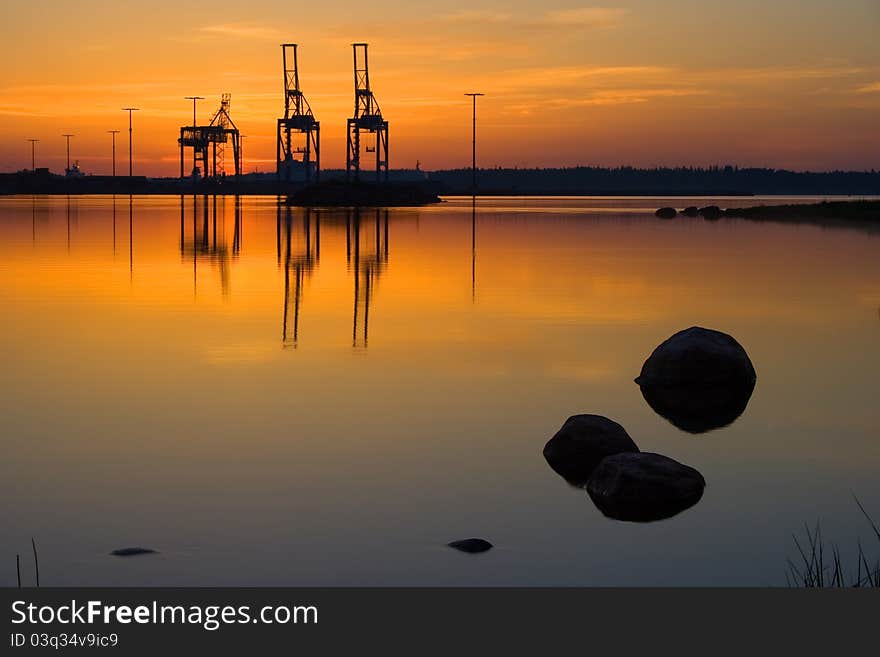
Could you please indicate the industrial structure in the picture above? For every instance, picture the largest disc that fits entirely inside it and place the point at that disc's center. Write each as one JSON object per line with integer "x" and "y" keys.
{"x": 304, "y": 150}
{"x": 209, "y": 144}
{"x": 367, "y": 118}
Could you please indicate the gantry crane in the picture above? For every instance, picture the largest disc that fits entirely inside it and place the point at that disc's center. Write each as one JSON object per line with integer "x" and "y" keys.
{"x": 367, "y": 118}
{"x": 212, "y": 138}
{"x": 305, "y": 151}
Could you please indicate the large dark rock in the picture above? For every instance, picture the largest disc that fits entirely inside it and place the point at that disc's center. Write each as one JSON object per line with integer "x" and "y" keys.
{"x": 698, "y": 356}
{"x": 471, "y": 545}
{"x": 691, "y": 211}
{"x": 711, "y": 212}
{"x": 644, "y": 487}
{"x": 699, "y": 379}
{"x": 666, "y": 213}
{"x": 582, "y": 442}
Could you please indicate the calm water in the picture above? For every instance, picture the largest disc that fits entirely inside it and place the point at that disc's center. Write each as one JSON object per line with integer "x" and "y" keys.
{"x": 329, "y": 400}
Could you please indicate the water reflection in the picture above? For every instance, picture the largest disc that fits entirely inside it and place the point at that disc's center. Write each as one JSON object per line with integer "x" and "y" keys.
{"x": 699, "y": 409}
{"x": 367, "y": 264}
{"x": 206, "y": 241}
{"x": 444, "y": 420}
{"x": 473, "y": 249}
{"x": 302, "y": 259}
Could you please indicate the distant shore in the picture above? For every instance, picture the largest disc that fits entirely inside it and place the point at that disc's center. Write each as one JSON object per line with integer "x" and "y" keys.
{"x": 858, "y": 213}
{"x": 573, "y": 181}
{"x": 856, "y": 210}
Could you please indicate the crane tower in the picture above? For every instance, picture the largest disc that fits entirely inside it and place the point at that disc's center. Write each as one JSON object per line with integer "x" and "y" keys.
{"x": 367, "y": 118}
{"x": 299, "y": 134}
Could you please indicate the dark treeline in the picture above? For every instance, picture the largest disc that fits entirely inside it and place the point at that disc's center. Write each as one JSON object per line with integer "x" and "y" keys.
{"x": 716, "y": 180}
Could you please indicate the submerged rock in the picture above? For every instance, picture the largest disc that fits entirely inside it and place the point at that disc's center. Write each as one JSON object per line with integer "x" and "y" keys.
{"x": 132, "y": 551}
{"x": 699, "y": 380}
{"x": 471, "y": 545}
{"x": 711, "y": 212}
{"x": 582, "y": 442}
{"x": 644, "y": 487}
{"x": 691, "y": 211}
{"x": 666, "y": 213}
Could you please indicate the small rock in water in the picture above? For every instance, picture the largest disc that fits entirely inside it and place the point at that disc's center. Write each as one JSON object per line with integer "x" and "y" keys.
{"x": 711, "y": 212}
{"x": 471, "y": 545}
{"x": 581, "y": 443}
{"x": 691, "y": 211}
{"x": 644, "y": 487}
{"x": 666, "y": 213}
{"x": 132, "y": 551}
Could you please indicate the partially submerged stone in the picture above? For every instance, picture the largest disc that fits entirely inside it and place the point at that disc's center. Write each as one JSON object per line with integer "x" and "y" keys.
{"x": 711, "y": 212}
{"x": 132, "y": 551}
{"x": 698, "y": 356}
{"x": 666, "y": 213}
{"x": 644, "y": 487}
{"x": 471, "y": 545}
{"x": 582, "y": 442}
{"x": 699, "y": 379}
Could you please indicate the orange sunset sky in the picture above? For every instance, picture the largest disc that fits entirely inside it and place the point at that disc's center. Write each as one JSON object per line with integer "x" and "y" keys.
{"x": 788, "y": 83}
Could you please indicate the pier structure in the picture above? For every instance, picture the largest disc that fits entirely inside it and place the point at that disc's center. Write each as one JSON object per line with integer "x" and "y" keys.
{"x": 368, "y": 119}
{"x": 298, "y": 145}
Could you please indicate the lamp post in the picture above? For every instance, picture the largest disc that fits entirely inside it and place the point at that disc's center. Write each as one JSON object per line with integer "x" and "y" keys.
{"x": 474, "y": 142}
{"x": 114, "y": 133}
{"x": 68, "y": 150}
{"x": 33, "y": 153}
{"x": 195, "y": 99}
{"x": 129, "y": 110}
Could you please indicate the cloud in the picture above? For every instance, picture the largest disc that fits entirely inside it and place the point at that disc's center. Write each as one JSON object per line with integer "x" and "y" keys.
{"x": 241, "y": 31}
{"x": 583, "y": 17}
{"x": 476, "y": 16}
{"x": 872, "y": 88}
{"x": 578, "y": 17}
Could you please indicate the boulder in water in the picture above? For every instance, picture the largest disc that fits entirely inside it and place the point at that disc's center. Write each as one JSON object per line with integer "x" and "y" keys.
{"x": 699, "y": 379}
{"x": 644, "y": 487}
{"x": 666, "y": 213}
{"x": 698, "y": 356}
{"x": 582, "y": 442}
{"x": 711, "y": 212}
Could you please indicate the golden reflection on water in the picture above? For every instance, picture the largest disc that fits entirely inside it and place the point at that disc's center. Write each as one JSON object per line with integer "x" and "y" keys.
{"x": 213, "y": 376}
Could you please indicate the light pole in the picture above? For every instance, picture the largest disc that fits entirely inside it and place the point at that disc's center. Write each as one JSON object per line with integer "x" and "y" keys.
{"x": 33, "y": 153}
{"x": 195, "y": 99}
{"x": 68, "y": 150}
{"x": 129, "y": 110}
{"x": 114, "y": 133}
{"x": 474, "y": 143}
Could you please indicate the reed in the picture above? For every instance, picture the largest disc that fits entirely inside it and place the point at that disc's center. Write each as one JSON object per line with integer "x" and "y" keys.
{"x": 36, "y": 562}
{"x": 821, "y": 566}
